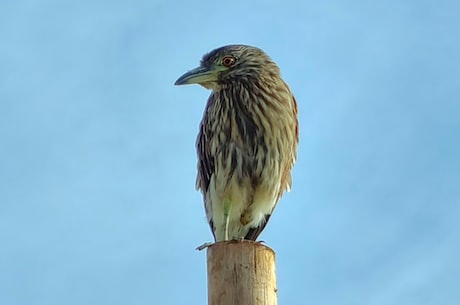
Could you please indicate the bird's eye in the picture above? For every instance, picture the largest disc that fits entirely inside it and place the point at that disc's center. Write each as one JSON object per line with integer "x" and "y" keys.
{"x": 228, "y": 61}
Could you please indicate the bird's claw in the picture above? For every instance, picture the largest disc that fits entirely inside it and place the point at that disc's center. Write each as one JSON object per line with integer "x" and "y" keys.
{"x": 204, "y": 246}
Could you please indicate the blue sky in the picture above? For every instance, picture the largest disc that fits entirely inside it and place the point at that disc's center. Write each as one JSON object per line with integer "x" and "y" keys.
{"x": 98, "y": 164}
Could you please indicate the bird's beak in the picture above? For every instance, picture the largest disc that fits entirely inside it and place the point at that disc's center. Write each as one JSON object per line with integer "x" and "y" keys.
{"x": 198, "y": 76}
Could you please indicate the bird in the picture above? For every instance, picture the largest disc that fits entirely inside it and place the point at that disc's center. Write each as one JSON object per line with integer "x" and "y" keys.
{"x": 247, "y": 141}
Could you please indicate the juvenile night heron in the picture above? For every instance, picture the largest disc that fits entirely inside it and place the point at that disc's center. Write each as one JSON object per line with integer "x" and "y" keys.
{"x": 247, "y": 143}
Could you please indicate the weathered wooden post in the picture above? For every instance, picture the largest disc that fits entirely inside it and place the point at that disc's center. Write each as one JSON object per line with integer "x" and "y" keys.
{"x": 241, "y": 273}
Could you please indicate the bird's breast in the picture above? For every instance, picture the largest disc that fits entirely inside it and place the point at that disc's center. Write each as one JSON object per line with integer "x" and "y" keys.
{"x": 247, "y": 137}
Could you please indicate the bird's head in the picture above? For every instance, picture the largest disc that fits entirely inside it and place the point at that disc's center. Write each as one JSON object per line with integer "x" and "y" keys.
{"x": 228, "y": 65}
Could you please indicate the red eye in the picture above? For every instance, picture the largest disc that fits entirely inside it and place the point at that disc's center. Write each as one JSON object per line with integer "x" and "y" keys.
{"x": 228, "y": 61}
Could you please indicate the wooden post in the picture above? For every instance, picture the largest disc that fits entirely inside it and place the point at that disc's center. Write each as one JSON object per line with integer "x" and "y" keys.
{"x": 241, "y": 273}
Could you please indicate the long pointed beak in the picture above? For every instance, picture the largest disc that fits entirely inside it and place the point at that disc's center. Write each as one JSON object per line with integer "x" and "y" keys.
{"x": 197, "y": 76}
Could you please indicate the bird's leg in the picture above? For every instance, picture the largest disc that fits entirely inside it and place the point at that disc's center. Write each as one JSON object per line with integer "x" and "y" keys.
{"x": 227, "y": 207}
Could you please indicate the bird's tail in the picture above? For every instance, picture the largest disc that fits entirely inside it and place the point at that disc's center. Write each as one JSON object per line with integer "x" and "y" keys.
{"x": 253, "y": 233}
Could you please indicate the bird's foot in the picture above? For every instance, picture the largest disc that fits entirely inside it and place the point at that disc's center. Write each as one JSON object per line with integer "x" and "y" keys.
{"x": 242, "y": 239}
{"x": 204, "y": 246}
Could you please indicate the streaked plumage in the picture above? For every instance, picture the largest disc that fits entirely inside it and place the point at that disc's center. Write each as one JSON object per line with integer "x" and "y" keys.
{"x": 247, "y": 141}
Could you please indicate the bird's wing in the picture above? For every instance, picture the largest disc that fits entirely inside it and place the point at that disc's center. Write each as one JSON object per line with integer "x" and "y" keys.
{"x": 205, "y": 161}
{"x": 286, "y": 179}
